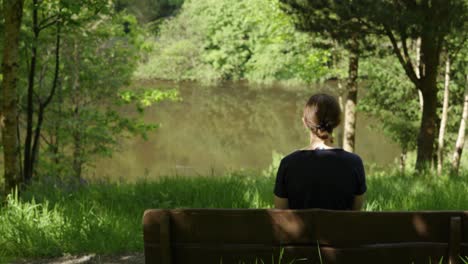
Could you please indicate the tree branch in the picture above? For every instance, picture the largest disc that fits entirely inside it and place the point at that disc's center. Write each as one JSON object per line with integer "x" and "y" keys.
{"x": 48, "y": 142}
{"x": 56, "y": 72}
{"x": 371, "y": 27}
{"x": 406, "y": 53}
{"x": 409, "y": 70}
{"x": 51, "y": 23}
{"x": 47, "y": 22}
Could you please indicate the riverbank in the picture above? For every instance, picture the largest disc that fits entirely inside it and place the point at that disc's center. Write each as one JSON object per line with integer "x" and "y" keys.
{"x": 55, "y": 218}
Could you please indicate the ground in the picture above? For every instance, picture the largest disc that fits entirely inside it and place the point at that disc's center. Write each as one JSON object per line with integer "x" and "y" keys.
{"x": 136, "y": 258}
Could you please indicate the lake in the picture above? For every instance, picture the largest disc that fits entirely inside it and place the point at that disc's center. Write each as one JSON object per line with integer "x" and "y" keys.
{"x": 228, "y": 127}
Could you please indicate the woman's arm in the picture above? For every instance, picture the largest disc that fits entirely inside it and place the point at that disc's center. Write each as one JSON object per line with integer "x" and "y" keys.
{"x": 281, "y": 203}
{"x": 358, "y": 202}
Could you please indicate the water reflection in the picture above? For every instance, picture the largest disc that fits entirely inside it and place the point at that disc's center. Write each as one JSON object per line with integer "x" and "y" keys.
{"x": 230, "y": 127}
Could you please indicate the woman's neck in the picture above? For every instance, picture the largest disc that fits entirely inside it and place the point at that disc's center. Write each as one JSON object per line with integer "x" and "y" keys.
{"x": 318, "y": 143}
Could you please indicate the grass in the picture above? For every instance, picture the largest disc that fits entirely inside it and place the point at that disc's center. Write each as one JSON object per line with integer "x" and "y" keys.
{"x": 53, "y": 218}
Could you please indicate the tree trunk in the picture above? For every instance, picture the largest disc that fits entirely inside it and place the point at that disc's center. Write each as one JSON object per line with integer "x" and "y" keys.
{"x": 443, "y": 121}
{"x": 77, "y": 155}
{"x": 351, "y": 99}
{"x": 77, "y": 128}
{"x": 13, "y": 12}
{"x": 37, "y": 133}
{"x": 418, "y": 73}
{"x": 28, "y": 154}
{"x": 340, "y": 102}
{"x": 461, "y": 134}
{"x": 57, "y": 125}
{"x": 43, "y": 106}
{"x": 428, "y": 87}
{"x": 403, "y": 161}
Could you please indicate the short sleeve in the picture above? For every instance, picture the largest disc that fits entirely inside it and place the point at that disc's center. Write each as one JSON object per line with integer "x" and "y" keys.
{"x": 280, "y": 184}
{"x": 360, "y": 177}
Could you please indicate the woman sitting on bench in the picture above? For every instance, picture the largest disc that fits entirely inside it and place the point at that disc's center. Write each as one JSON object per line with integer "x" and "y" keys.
{"x": 320, "y": 176}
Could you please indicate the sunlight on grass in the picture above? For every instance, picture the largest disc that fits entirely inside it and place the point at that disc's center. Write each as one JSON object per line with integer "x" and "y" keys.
{"x": 53, "y": 218}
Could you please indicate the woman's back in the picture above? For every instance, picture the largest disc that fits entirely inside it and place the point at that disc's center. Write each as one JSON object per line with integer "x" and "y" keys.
{"x": 322, "y": 178}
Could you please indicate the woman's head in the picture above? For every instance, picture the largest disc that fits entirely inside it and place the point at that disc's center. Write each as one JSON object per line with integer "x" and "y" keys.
{"x": 322, "y": 114}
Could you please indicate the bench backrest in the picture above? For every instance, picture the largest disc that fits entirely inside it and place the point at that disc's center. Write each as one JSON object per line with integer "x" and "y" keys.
{"x": 304, "y": 236}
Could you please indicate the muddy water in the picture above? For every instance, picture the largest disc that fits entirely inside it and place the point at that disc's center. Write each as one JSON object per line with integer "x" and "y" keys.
{"x": 231, "y": 126}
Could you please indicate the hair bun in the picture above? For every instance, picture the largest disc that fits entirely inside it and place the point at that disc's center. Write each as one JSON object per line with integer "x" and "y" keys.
{"x": 325, "y": 126}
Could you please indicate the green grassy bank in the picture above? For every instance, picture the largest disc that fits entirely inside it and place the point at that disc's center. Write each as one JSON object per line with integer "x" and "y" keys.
{"x": 53, "y": 218}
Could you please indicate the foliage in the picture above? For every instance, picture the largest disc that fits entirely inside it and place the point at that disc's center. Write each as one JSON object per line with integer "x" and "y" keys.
{"x": 457, "y": 86}
{"x": 81, "y": 116}
{"x": 84, "y": 119}
{"x": 148, "y": 11}
{"x": 392, "y": 100}
{"x": 225, "y": 40}
{"x": 333, "y": 19}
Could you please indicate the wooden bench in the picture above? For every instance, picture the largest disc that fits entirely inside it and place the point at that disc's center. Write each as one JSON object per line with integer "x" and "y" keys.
{"x": 306, "y": 236}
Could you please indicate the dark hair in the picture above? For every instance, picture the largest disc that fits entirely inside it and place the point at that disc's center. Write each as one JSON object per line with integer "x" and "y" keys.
{"x": 322, "y": 114}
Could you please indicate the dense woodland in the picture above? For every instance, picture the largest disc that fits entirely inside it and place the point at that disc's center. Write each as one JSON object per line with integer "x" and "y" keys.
{"x": 67, "y": 67}
{"x": 60, "y": 97}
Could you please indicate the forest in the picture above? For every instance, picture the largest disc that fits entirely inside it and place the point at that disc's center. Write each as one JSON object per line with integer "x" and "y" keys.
{"x": 112, "y": 107}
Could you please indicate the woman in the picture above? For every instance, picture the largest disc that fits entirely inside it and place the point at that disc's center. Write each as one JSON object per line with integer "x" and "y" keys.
{"x": 320, "y": 176}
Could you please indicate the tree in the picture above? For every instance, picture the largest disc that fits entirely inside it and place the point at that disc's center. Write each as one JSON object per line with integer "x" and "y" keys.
{"x": 84, "y": 120}
{"x": 432, "y": 22}
{"x": 13, "y": 11}
{"x": 461, "y": 134}
{"x": 32, "y": 137}
{"x": 338, "y": 22}
{"x": 459, "y": 59}
{"x": 443, "y": 120}
{"x": 48, "y": 19}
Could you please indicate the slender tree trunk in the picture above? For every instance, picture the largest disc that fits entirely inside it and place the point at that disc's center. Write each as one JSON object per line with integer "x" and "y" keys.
{"x": 37, "y": 133}
{"x": 417, "y": 70}
{"x": 461, "y": 134}
{"x": 403, "y": 161}
{"x": 28, "y": 160}
{"x": 340, "y": 134}
{"x": 43, "y": 106}
{"x": 428, "y": 87}
{"x": 77, "y": 130}
{"x": 57, "y": 126}
{"x": 351, "y": 99}
{"x": 443, "y": 121}
{"x": 77, "y": 155}
{"x": 18, "y": 137}
{"x": 13, "y": 12}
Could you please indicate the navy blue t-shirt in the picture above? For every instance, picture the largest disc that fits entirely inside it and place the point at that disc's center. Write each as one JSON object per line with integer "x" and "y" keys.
{"x": 325, "y": 178}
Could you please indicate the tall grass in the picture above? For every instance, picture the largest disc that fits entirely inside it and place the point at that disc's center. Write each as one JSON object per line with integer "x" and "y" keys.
{"x": 52, "y": 218}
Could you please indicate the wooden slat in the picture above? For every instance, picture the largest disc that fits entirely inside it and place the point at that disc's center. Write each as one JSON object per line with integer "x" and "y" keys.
{"x": 455, "y": 240}
{"x": 151, "y": 223}
{"x": 422, "y": 253}
{"x": 464, "y": 250}
{"x": 308, "y": 226}
{"x": 165, "y": 239}
{"x": 464, "y": 237}
{"x": 336, "y": 228}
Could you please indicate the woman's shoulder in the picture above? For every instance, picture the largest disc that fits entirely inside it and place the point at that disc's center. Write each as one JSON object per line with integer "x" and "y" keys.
{"x": 293, "y": 155}
{"x": 339, "y": 152}
{"x": 353, "y": 159}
